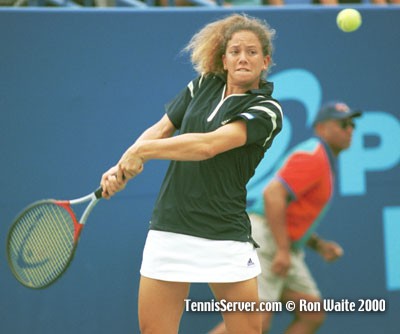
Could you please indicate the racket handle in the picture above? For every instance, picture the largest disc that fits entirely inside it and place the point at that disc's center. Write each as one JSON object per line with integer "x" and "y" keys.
{"x": 98, "y": 192}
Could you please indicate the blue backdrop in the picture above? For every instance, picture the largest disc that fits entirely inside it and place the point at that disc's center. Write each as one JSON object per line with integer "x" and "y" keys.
{"x": 77, "y": 87}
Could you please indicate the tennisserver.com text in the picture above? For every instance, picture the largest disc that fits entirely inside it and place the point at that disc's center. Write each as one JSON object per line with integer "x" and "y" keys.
{"x": 234, "y": 306}
{"x": 327, "y": 305}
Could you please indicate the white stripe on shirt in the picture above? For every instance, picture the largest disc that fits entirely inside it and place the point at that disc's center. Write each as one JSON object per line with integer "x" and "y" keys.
{"x": 273, "y": 120}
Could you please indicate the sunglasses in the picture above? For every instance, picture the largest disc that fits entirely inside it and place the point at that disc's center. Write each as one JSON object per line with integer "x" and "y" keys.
{"x": 345, "y": 123}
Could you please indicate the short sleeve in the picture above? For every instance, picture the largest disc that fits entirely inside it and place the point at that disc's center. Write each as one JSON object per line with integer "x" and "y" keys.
{"x": 177, "y": 107}
{"x": 300, "y": 172}
{"x": 264, "y": 122}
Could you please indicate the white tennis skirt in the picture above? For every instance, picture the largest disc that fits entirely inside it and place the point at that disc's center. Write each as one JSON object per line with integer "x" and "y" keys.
{"x": 178, "y": 257}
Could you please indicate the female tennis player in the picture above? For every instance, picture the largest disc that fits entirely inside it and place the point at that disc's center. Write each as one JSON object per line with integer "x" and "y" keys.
{"x": 199, "y": 230}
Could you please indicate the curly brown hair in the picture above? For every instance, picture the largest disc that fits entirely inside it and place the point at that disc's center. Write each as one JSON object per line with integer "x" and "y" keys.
{"x": 209, "y": 44}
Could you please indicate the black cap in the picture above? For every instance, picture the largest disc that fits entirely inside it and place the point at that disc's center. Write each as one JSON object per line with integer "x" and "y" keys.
{"x": 335, "y": 110}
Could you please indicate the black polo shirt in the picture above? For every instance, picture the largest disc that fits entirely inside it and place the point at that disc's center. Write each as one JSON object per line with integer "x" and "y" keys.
{"x": 208, "y": 198}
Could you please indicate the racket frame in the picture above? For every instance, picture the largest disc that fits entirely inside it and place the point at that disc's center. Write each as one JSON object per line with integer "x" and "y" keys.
{"x": 94, "y": 197}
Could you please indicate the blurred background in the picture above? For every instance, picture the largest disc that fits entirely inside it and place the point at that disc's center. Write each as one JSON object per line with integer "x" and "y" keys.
{"x": 79, "y": 84}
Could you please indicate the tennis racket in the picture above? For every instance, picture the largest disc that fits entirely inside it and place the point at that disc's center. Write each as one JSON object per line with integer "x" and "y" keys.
{"x": 43, "y": 238}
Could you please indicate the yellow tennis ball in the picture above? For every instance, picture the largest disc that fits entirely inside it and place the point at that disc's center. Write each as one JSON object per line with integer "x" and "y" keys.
{"x": 349, "y": 19}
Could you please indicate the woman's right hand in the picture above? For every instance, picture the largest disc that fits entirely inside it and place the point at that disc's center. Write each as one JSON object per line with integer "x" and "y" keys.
{"x": 112, "y": 182}
{"x": 116, "y": 178}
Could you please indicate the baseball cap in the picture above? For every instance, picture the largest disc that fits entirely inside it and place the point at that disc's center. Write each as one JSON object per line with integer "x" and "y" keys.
{"x": 335, "y": 110}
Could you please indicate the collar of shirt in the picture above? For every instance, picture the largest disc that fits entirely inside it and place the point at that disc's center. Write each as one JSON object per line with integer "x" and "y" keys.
{"x": 332, "y": 158}
{"x": 266, "y": 87}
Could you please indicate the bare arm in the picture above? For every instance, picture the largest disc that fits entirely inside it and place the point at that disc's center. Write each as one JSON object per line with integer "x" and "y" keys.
{"x": 191, "y": 146}
{"x": 156, "y": 143}
{"x": 329, "y": 250}
{"x": 110, "y": 182}
{"x": 162, "y": 129}
{"x": 275, "y": 201}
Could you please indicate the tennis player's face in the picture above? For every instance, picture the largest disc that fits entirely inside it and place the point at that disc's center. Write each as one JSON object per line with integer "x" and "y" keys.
{"x": 244, "y": 60}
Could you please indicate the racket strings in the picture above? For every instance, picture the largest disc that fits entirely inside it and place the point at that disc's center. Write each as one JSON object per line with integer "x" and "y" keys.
{"x": 41, "y": 244}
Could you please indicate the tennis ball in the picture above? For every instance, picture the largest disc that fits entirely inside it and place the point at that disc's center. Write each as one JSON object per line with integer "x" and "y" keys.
{"x": 349, "y": 20}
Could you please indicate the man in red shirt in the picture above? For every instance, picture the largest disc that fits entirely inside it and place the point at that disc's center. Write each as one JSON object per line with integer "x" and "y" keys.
{"x": 285, "y": 217}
